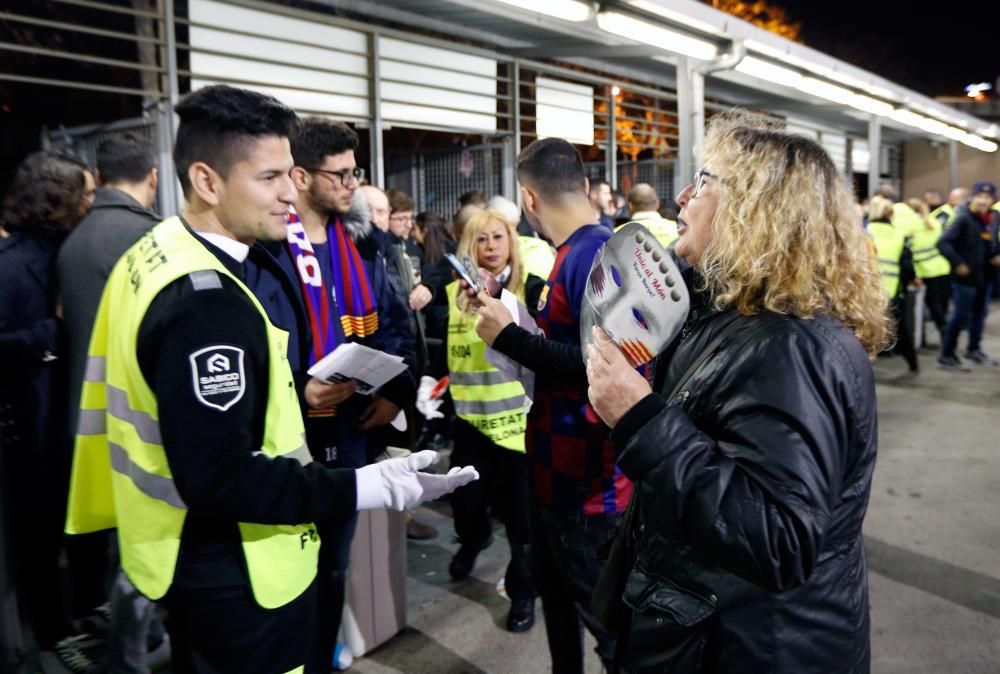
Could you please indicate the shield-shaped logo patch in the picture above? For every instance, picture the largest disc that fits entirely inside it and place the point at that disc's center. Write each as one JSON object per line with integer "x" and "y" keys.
{"x": 218, "y": 377}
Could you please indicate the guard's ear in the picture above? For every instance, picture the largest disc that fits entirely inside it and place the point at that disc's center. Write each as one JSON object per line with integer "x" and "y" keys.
{"x": 206, "y": 183}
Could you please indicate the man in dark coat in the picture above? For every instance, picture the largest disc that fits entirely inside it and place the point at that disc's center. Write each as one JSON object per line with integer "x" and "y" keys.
{"x": 970, "y": 244}
{"x": 127, "y": 174}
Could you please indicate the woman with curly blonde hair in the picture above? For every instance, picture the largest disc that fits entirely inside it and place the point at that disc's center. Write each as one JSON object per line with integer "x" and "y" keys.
{"x": 743, "y": 550}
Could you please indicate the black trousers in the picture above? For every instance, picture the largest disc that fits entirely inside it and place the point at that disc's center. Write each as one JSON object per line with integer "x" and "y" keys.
{"x": 217, "y": 630}
{"x": 567, "y": 566}
{"x": 502, "y": 489}
{"x": 904, "y": 332}
{"x": 938, "y": 294}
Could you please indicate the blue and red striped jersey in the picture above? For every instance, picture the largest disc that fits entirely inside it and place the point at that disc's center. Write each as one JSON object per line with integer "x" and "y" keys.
{"x": 571, "y": 458}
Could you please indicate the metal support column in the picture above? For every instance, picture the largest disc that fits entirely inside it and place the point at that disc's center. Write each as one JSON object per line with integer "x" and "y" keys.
{"x": 508, "y": 183}
{"x": 953, "y": 165}
{"x": 874, "y": 153}
{"x": 512, "y": 144}
{"x": 611, "y": 160}
{"x": 515, "y": 145}
{"x": 690, "y": 118}
{"x": 168, "y": 190}
{"x": 517, "y": 109}
{"x": 377, "y": 177}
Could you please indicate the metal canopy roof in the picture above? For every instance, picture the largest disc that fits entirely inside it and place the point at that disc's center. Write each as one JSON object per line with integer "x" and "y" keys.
{"x": 518, "y": 32}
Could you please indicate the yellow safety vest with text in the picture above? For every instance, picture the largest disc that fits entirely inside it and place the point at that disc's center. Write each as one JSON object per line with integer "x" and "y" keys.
{"x": 121, "y": 477}
{"x": 485, "y": 397}
{"x": 889, "y": 245}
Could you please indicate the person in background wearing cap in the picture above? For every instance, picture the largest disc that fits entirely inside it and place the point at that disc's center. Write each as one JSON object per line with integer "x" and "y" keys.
{"x": 970, "y": 244}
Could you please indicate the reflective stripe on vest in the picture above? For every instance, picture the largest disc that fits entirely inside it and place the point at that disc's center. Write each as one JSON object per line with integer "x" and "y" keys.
{"x": 889, "y": 245}
{"x": 484, "y": 396}
{"x": 121, "y": 477}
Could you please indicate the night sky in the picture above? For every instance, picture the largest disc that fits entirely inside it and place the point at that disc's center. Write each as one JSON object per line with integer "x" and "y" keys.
{"x": 936, "y": 51}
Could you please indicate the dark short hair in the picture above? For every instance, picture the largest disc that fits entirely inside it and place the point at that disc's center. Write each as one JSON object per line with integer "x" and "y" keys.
{"x": 476, "y": 197}
{"x": 125, "y": 158}
{"x": 400, "y": 201}
{"x": 595, "y": 185}
{"x": 217, "y": 122}
{"x": 45, "y": 198}
{"x": 318, "y": 138}
{"x": 552, "y": 167}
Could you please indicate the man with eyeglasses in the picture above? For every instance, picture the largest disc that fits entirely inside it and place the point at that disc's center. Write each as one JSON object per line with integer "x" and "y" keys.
{"x": 327, "y": 283}
{"x": 401, "y": 207}
{"x": 405, "y": 267}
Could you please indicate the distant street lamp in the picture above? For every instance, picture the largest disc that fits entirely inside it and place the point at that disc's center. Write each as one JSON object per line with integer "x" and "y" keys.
{"x": 978, "y": 91}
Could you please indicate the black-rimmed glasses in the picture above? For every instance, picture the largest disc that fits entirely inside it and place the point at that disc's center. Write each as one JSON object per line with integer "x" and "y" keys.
{"x": 345, "y": 175}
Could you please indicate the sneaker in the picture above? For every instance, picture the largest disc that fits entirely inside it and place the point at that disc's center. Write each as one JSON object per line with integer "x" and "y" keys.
{"x": 980, "y": 358}
{"x": 81, "y": 654}
{"x": 342, "y": 658}
{"x": 953, "y": 363}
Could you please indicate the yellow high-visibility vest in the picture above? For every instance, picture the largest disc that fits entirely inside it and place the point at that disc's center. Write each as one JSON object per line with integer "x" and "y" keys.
{"x": 536, "y": 256}
{"x": 485, "y": 397}
{"x": 889, "y": 245}
{"x": 121, "y": 477}
{"x": 664, "y": 230}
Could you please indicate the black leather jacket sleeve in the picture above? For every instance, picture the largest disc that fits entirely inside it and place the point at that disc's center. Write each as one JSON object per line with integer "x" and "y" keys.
{"x": 752, "y": 486}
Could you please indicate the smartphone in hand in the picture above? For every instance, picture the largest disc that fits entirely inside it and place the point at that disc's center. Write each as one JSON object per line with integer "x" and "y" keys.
{"x": 466, "y": 269}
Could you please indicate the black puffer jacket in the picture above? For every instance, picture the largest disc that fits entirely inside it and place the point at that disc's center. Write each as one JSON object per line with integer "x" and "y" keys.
{"x": 972, "y": 242}
{"x": 752, "y": 485}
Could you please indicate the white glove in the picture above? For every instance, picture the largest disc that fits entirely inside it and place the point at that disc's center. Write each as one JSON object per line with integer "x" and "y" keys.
{"x": 398, "y": 483}
{"x": 429, "y": 396}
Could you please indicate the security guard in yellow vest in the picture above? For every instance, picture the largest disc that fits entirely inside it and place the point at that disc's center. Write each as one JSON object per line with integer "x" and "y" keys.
{"x": 190, "y": 438}
{"x": 645, "y": 206}
{"x": 489, "y": 430}
{"x": 889, "y": 245}
{"x": 931, "y": 267}
{"x": 896, "y": 267}
{"x": 943, "y": 214}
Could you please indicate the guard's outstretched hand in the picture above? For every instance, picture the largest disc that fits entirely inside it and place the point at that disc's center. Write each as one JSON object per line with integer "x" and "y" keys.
{"x": 402, "y": 486}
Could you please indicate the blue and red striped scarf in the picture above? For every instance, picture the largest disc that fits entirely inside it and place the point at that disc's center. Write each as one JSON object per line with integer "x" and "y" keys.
{"x": 354, "y": 301}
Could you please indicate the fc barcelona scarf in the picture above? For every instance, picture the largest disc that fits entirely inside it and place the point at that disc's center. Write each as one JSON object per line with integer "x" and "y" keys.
{"x": 353, "y": 299}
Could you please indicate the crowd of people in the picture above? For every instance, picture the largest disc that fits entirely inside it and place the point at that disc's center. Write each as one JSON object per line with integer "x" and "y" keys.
{"x": 939, "y": 263}
{"x": 702, "y": 513}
